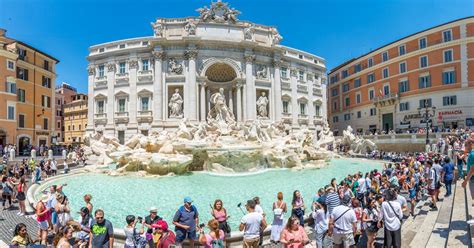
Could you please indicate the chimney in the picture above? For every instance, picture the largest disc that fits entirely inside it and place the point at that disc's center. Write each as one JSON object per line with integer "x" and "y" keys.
{"x": 2, "y": 32}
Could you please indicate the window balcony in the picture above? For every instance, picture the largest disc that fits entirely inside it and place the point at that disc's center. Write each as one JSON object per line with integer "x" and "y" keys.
{"x": 287, "y": 118}
{"x": 318, "y": 120}
{"x": 121, "y": 117}
{"x": 145, "y": 75}
{"x": 102, "y": 79}
{"x": 145, "y": 116}
{"x": 100, "y": 119}
{"x": 285, "y": 86}
{"x": 303, "y": 119}
{"x": 100, "y": 84}
{"x": 317, "y": 92}
{"x": 121, "y": 78}
{"x": 386, "y": 100}
{"x": 302, "y": 88}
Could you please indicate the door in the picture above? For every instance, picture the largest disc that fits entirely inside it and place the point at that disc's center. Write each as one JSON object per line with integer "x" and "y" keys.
{"x": 23, "y": 146}
{"x": 387, "y": 122}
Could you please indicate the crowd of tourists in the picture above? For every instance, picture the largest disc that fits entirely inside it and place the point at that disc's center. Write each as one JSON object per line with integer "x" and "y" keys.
{"x": 344, "y": 213}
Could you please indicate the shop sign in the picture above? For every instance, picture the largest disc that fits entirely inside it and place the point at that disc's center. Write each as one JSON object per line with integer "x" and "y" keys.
{"x": 411, "y": 117}
{"x": 42, "y": 133}
{"x": 449, "y": 115}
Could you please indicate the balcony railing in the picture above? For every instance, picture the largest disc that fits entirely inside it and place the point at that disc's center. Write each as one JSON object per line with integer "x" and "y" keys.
{"x": 100, "y": 119}
{"x": 100, "y": 84}
{"x": 302, "y": 88}
{"x": 121, "y": 117}
{"x": 286, "y": 86}
{"x": 386, "y": 99}
{"x": 101, "y": 79}
{"x": 287, "y": 118}
{"x": 145, "y": 116}
{"x": 145, "y": 75}
{"x": 101, "y": 116}
{"x": 121, "y": 114}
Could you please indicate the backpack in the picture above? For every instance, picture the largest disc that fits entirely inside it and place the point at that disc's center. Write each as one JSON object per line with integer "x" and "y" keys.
{"x": 217, "y": 243}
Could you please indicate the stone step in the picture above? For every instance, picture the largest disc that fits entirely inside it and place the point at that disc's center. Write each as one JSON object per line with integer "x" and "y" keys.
{"x": 425, "y": 228}
{"x": 412, "y": 224}
{"x": 458, "y": 235}
{"x": 440, "y": 232}
{"x": 470, "y": 210}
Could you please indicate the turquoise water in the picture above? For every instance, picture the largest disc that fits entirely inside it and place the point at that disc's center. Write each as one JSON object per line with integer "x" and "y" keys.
{"x": 124, "y": 195}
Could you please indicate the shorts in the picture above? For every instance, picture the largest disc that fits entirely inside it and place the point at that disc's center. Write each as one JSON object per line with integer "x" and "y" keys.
{"x": 432, "y": 192}
{"x": 181, "y": 235}
{"x": 54, "y": 218}
{"x": 43, "y": 225}
{"x": 346, "y": 238}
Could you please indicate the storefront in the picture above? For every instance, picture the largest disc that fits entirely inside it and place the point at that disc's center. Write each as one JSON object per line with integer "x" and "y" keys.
{"x": 451, "y": 119}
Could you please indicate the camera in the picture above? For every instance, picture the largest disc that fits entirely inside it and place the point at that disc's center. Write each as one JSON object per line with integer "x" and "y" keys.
{"x": 139, "y": 219}
{"x": 202, "y": 225}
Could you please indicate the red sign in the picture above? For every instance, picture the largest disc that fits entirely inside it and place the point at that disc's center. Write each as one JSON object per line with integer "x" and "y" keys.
{"x": 449, "y": 113}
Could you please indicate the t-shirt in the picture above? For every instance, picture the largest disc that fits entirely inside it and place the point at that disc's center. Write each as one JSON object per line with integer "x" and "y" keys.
{"x": 101, "y": 233}
{"x": 402, "y": 200}
{"x": 362, "y": 185}
{"x": 258, "y": 209}
{"x": 252, "y": 222}
{"x": 448, "y": 171}
{"x": 434, "y": 179}
{"x": 299, "y": 237}
{"x": 321, "y": 220}
{"x": 470, "y": 160}
{"x": 392, "y": 218}
{"x": 130, "y": 234}
{"x": 332, "y": 201}
{"x": 21, "y": 241}
{"x": 343, "y": 224}
{"x": 150, "y": 221}
{"x": 209, "y": 239}
{"x": 438, "y": 168}
{"x": 186, "y": 217}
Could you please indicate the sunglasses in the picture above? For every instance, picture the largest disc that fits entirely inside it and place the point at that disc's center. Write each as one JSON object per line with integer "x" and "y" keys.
{"x": 23, "y": 230}
{"x": 99, "y": 218}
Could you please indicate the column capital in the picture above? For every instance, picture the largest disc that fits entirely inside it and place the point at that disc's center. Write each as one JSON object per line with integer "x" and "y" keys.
{"x": 276, "y": 63}
{"x": 158, "y": 55}
{"x": 191, "y": 54}
{"x": 249, "y": 58}
{"x": 133, "y": 64}
{"x": 91, "y": 70}
{"x": 111, "y": 67}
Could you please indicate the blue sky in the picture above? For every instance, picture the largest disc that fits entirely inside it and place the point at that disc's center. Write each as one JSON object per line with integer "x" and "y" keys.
{"x": 333, "y": 29}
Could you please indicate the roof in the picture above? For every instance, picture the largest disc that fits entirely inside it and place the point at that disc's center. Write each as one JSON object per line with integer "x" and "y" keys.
{"x": 379, "y": 48}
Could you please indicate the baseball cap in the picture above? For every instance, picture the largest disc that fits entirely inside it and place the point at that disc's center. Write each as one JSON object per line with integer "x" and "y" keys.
{"x": 161, "y": 224}
{"x": 188, "y": 199}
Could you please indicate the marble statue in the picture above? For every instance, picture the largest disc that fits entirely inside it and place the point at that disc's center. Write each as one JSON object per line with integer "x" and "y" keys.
{"x": 262, "y": 103}
{"x": 174, "y": 67}
{"x": 356, "y": 144}
{"x": 262, "y": 72}
{"x": 219, "y": 12}
{"x": 191, "y": 27}
{"x": 204, "y": 13}
{"x": 220, "y": 112}
{"x": 176, "y": 105}
{"x": 157, "y": 29}
{"x": 276, "y": 37}
{"x": 325, "y": 137}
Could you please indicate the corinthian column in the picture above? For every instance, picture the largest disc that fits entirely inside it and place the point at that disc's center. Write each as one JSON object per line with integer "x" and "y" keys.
{"x": 90, "y": 100}
{"x": 239, "y": 103}
{"x": 158, "y": 88}
{"x": 277, "y": 103}
{"x": 191, "y": 85}
{"x": 202, "y": 103}
{"x": 111, "y": 67}
{"x": 133, "y": 67}
{"x": 250, "y": 102}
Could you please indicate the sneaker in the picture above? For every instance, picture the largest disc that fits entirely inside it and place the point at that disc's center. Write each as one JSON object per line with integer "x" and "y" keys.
{"x": 18, "y": 213}
{"x": 435, "y": 209}
{"x": 21, "y": 214}
{"x": 470, "y": 222}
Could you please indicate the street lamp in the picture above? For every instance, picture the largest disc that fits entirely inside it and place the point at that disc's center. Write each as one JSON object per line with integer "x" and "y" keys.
{"x": 427, "y": 112}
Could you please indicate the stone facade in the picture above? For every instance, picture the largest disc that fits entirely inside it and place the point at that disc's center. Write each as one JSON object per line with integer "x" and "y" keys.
{"x": 140, "y": 85}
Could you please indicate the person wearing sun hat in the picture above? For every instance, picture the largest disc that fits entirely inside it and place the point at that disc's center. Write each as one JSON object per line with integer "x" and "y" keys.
{"x": 151, "y": 219}
{"x": 167, "y": 237}
{"x": 186, "y": 220}
{"x": 42, "y": 215}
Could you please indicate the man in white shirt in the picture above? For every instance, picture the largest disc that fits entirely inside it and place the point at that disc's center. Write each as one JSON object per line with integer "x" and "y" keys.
{"x": 342, "y": 224}
{"x": 252, "y": 224}
{"x": 433, "y": 180}
{"x": 438, "y": 169}
{"x": 392, "y": 218}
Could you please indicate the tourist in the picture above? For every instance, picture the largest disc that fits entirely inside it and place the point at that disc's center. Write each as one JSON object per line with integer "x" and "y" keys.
{"x": 186, "y": 220}
{"x": 294, "y": 235}
{"x": 251, "y": 224}
{"x": 21, "y": 238}
{"x": 332, "y": 199}
{"x": 21, "y": 196}
{"x": 54, "y": 167}
{"x": 215, "y": 238}
{"x": 412, "y": 193}
{"x": 355, "y": 206}
{"x": 392, "y": 215}
{"x": 316, "y": 197}
{"x": 321, "y": 221}
{"x": 342, "y": 224}
{"x": 167, "y": 237}
{"x": 65, "y": 167}
{"x": 259, "y": 209}
{"x": 87, "y": 200}
{"x": 7, "y": 191}
{"x": 298, "y": 206}
{"x": 62, "y": 238}
{"x": 102, "y": 231}
{"x": 151, "y": 219}
{"x": 438, "y": 169}
{"x": 220, "y": 214}
{"x": 432, "y": 184}
{"x": 85, "y": 220}
{"x": 132, "y": 234}
{"x": 448, "y": 175}
{"x": 371, "y": 218}
{"x": 400, "y": 199}
{"x": 279, "y": 209}
{"x": 62, "y": 210}
{"x": 42, "y": 216}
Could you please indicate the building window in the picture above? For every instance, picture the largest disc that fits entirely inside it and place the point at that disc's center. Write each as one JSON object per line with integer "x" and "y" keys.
{"x": 46, "y": 65}
{"x": 422, "y": 43}
{"x": 423, "y": 61}
{"x": 318, "y": 110}
{"x": 334, "y": 92}
{"x": 101, "y": 50}
{"x": 384, "y": 56}
{"x": 46, "y": 82}
{"x": 101, "y": 71}
{"x": 334, "y": 78}
{"x": 145, "y": 101}
{"x": 449, "y": 100}
{"x": 283, "y": 72}
{"x": 403, "y": 86}
{"x": 69, "y": 128}
{"x": 403, "y": 67}
{"x": 121, "y": 137}
{"x": 401, "y": 50}
{"x": 347, "y": 117}
{"x": 301, "y": 75}
{"x": 10, "y": 87}
{"x": 46, "y": 101}
{"x": 344, "y": 74}
{"x": 21, "y": 95}
{"x": 10, "y": 65}
{"x": 404, "y": 106}
{"x": 425, "y": 103}
{"x": 80, "y": 127}
{"x": 100, "y": 107}
{"x": 345, "y": 87}
{"x": 59, "y": 124}
{"x": 73, "y": 127}
{"x": 357, "y": 68}
{"x": 358, "y": 99}
{"x": 385, "y": 72}
{"x": 347, "y": 101}
{"x": 335, "y": 119}
{"x": 373, "y": 111}
{"x": 121, "y": 105}
{"x": 448, "y": 56}
{"x": 21, "y": 121}
{"x": 45, "y": 123}
{"x": 370, "y": 62}
{"x": 371, "y": 94}
{"x": 447, "y": 36}
{"x": 303, "y": 108}
{"x": 11, "y": 112}
{"x": 424, "y": 82}
{"x": 370, "y": 78}
{"x": 359, "y": 114}
{"x": 357, "y": 83}
{"x": 122, "y": 46}
{"x": 285, "y": 107}
{"x": 334, "y": 105}
{"x": 145, "y": 65}
{"x": 122, "y": 67}
{"x": 22, "y": 54}
{"x": 449, "y": 77}
{"x": 386, "y": 90}
{"x": 22, "y": 73}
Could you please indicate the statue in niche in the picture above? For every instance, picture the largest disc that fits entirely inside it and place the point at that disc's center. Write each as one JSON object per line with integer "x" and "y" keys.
{"x": 175, "y": 67}
{"x": 262, "y": 104}
{"x": 262, "y": 72}
{"x": 220, "y": 112}
{"x": 176, "y": 105}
